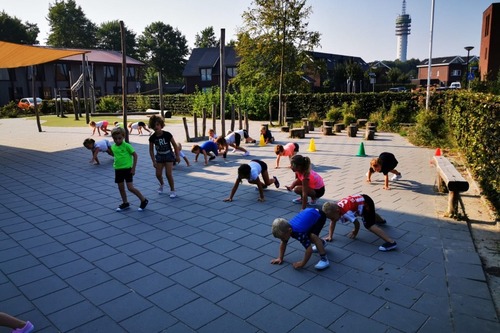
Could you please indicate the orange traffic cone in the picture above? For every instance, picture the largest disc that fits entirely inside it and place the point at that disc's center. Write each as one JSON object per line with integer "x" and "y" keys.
{"x": 438, "y": 152}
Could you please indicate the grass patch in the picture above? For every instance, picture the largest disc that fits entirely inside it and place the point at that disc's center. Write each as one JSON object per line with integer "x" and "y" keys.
{"x": 69, "y": 121}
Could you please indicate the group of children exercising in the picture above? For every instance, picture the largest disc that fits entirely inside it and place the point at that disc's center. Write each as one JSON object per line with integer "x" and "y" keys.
{"x": 305, "y": 226}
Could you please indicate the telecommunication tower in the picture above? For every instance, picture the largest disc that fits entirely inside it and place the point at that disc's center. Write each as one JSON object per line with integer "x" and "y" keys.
{"x": 403, "y": 23}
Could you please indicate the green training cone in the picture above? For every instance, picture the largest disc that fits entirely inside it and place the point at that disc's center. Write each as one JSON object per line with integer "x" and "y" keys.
{"x": 361, "y": 150}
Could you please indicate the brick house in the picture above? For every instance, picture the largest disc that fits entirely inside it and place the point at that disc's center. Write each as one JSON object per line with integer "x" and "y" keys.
{"x": 489, "y": 64}
{"x": 444, "y": 70}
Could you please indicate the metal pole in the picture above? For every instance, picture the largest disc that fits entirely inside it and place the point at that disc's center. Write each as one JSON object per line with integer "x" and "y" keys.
{"x": 467, "y": 81}
{"x": 124, "y": 79}
{"x": 222, "y": 81}
{"x": 427, "y": 96}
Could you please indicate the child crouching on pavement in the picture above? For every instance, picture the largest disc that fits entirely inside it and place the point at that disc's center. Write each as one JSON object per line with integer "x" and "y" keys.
{"x": 304, "y": 227}
{"x": 355, "y": 209}
{"x": 96, "y": 148}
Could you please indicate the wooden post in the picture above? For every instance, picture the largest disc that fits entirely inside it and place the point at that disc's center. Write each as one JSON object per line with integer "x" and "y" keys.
{"x": 160, "y": 92}
{"x": 204, "y": 121}
{"x": 72, "y": 95}
{"x": 214, "y": 118}
{"x": 246, "y": 120}
{"x": 186, "y": 129}
{"x": 222, "y": 80}
{"x": 195, "y": 118}
{"x": 240, "y": 119}
{"x": 124, "y": 78}
{"x": 232, "y": 117}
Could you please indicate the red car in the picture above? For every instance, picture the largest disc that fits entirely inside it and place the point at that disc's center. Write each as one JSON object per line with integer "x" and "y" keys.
{"x": 28, "y": 103}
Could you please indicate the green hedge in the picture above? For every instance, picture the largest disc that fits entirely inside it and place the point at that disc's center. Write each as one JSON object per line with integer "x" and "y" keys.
{"x": 474, "y": 120}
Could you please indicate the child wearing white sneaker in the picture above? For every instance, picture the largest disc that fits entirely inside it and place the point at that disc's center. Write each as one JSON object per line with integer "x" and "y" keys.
{"x": 167, "y": 152}
{"x": 307, "y": 182}
{"x": 251, "y": 172}
{"x": 18, "y": 325}
{"x": 356, "y": 208}
{"x": 385, "y": 163}
{"x": 304, "y": 227}
{"x": 124, "y": 165}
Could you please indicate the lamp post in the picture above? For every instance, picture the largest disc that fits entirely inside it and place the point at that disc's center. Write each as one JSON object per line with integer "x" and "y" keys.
{"x": 468, "y": 48}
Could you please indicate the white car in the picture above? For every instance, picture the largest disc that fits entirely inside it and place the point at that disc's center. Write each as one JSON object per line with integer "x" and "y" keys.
{"x": 455, "y": 85}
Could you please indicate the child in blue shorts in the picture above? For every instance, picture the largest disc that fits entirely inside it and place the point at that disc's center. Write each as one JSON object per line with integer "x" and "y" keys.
{"x": 304, "y": 227}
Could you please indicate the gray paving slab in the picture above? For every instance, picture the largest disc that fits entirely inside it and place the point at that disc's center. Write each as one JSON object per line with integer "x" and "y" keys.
{"x": 70, "y": 263}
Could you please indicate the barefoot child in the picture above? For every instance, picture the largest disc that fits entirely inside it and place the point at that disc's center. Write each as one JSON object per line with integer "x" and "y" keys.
{"x": 96, "y": 148}
{"x": 355, "y": 209}
{"x": 124, "y": 164}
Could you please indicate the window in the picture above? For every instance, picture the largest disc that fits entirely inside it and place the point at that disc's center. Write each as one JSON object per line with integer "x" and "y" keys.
{"x": 456, "y": 72}
{"x": 109, "y": 73}
{"x": 487, "y": 26}
{"x": 231, "y": 71}
{"x": 62, "y": 72}
{"x": 206, "y": 74}
{"x": 131, "y": 73}
{"x": 4, "y": 74}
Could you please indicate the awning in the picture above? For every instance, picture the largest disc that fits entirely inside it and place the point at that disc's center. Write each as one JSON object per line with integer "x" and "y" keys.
{"x": 17, "y": 55}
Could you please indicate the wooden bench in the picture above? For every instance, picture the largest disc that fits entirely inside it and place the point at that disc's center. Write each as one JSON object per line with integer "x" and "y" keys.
{"x": 298, "y": 133}
{"x": 454, "y": 182}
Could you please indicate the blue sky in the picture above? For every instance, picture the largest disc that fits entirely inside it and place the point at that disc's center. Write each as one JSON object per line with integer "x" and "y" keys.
{"x": 364, "y": 28}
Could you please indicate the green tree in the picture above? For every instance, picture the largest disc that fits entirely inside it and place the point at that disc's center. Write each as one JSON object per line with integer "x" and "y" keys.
{"x": 394, "y": 74}
{"x": 272, "y": 44}
{"x": 109, "y": 38}
{"x": 14, "y": 31}
{"x": 164, "y": 49}
{"x": 206, "y": 38}
{"x": 69, "y": 27}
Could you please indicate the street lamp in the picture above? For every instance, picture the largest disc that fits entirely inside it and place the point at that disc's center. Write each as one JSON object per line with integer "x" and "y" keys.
{"x": 468, "y": 48}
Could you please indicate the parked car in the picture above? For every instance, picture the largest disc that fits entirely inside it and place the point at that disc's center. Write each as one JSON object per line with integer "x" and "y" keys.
{"x": 28, "y": 103}
{"x": 397, "y": 89}
{"x": 455, "y": 85}
{"x": 63, "y": 99}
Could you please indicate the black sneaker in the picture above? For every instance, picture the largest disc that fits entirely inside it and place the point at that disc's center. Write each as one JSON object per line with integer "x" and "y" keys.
{"x": 388, "y": 246}
{"x": 276, "y": 182}
{"x": 211, "y": 158}
{"x": 123, "y": 206}
{"x": 143, "y": 205}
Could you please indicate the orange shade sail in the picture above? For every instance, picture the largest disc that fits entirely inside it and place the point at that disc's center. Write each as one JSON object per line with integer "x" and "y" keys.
{"x": 17, "y": 55}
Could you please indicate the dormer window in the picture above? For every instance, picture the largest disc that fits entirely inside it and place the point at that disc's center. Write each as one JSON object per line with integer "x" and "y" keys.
{"x": 206, "y": 74}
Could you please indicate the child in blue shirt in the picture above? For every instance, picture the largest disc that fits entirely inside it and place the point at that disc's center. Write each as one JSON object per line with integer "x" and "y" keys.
{"x": 206, "y": 148}
{"x": 304, "y": 227}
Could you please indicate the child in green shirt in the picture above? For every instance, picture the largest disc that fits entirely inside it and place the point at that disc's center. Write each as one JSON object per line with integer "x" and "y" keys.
{"x": 124, "y": 165}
